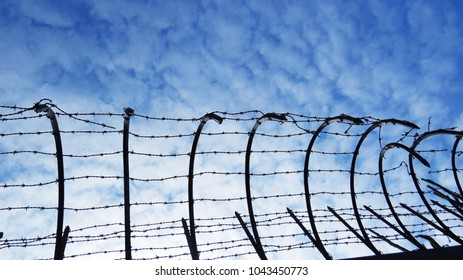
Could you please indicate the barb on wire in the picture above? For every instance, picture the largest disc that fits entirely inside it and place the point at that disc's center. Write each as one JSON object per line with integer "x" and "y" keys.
{"x": 405, "y": 233}
{"x": 459, "y": 215}
{"x": 18, "y": 111}
{"x": 73, "y": 116}
{"x": 167, "y": 233}
{"x": 457, "y": 197}
{"x": 384, "y": 238}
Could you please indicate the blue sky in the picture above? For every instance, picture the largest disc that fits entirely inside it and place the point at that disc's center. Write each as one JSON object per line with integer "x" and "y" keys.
{"x": 398, "y": 59}
{"x": 386, "y": 59}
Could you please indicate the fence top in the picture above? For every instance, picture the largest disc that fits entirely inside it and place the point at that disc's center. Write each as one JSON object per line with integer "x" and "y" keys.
{"x": 301, "y": 172}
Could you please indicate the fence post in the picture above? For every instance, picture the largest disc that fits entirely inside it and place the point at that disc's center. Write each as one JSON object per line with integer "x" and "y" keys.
{"x": 191, "y": 234}
{"x": 316, "y": 237}
{"x": 405, "y": 233}
{"x": 417, "y": 141}
{"x": 247, "y": 176}
{"x": 454, "y": 164}
{"x": 375, "y": 125}
{"x": 59, "y": 248}
{"x": 128, "y": 112}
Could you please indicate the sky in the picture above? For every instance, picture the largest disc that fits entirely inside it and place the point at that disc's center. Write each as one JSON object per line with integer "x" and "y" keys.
{"x": 183, "y": 59}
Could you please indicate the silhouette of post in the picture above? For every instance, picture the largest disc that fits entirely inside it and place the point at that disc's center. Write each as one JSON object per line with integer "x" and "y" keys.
{"x": 191, "y": 234}
{"x": 59, "y": 248}
{"x": 125, "y": 147}
{"x": 256, "y": 239}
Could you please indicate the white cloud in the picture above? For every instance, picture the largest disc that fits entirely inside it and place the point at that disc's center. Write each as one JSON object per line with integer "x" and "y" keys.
{"x": 40, "y": 12}
{"x": 185, "y": 58}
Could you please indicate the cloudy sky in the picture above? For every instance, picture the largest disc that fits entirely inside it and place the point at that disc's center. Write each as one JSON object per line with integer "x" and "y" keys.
{"x": 182, "y": 59}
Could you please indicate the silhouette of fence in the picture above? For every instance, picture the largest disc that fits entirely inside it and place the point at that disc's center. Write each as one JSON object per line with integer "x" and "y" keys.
{"x": 248, "y": 185}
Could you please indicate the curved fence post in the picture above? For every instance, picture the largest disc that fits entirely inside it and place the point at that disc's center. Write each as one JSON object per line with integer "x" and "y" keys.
{"x": 191, "y": 234}
{"x": 128, "y": 112}
{"x": 316, "y": 237}
{"x": 441, "y": 198}
{"x": 454, "y": 164}
{"x": 375, "y": 125}
{"x": 45, "y": 108}
{"x": 255, "y": 240}
{"x": 444, "y": 227}
{"x": 405, "y": 233}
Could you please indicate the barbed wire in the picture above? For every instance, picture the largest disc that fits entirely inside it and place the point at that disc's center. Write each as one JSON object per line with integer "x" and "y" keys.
{"x": 204, "y": 173}
{"x": 153, "y": 203}
{"x": 279, "y": 231}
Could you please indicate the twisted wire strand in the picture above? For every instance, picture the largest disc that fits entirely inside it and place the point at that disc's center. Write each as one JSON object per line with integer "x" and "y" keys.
{"x": 167, "y": 228}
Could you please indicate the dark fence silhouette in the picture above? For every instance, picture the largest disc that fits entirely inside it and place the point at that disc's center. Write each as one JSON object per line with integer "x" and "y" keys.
{"x": 247, "y": 185}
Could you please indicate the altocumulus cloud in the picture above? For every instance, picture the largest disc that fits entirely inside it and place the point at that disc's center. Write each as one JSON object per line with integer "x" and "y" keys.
{"x": 322, "y": 58}
{"x": 186, "y": 58}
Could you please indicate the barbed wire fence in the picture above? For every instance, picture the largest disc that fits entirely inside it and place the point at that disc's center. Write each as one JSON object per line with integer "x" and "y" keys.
{"x": 247, "y": 185}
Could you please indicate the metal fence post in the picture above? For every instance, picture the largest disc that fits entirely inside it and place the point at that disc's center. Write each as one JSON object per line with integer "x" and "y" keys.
{"x": 316, "y": 237}
{"x": 191, "y": 234}
{"x": 375, "y": 125}
{"x": 417, "y": 141}
{"x": 405, "y": 233}
{"x": 257, "y": 243}
{"x": 454, "y": 164}
{"x": 45, "y": 108}
{"x": 125, "y": 146}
